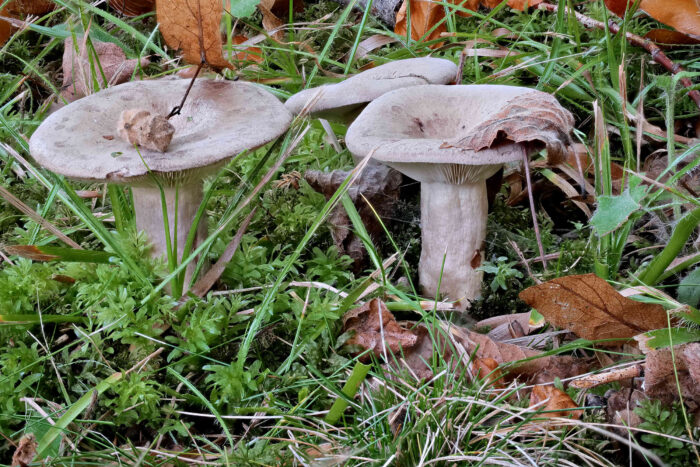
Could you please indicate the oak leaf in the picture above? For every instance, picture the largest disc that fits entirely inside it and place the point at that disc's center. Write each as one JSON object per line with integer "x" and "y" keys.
{"x": 79, "y": 69}
{"x": 558, "y": 403}
{"x": 424, "y": 15}
{"x": 193, "y": 26}
{"x": 592, "y": 309}
{"x": 683, "y": 15}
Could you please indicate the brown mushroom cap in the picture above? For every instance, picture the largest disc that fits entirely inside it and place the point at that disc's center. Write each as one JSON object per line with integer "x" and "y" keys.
{"x": 344, "y": 100}
{"x": 219, "y": 120}
{"x": 436, "y": 133}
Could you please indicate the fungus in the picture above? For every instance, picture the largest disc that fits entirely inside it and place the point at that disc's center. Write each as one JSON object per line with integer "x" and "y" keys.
{"x": 343, "y": 101}
{"x": 219, "y": 120}
{"x": 451, "y": 139}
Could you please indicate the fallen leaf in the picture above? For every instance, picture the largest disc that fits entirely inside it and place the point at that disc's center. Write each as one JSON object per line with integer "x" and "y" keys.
{"x": 670, "y": 37}
{"x": 78, "y": 72}
{"x": 487, "y": 368}
{"x": 246, "y": 53}
{"x": 138, "y": 126}
{"x": 18, "y": 9}
{"x": 662, "y": 367}
{"x": 378, "y": 185}
{"x": 548, "y": 398}
{"x": 521, "y": 5}
{"x": 533, "y": 117}
{"x": 133, "y": 7}
{"x": 271, "y": 23}
{"x": 193, "y": 26}
{"x": 425, "y": 14}
{"x": 620, "y": 409}
{"x": 680, "y": 14}
{"x": 592, "y": 309}
{"x": 280, "y": 8}
{"x": 376, "y": 330}
{"x": 25, "y": 452}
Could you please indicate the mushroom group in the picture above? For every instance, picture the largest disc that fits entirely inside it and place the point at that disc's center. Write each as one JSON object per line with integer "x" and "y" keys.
{"x": 219, "y": 120}
{"x": 451, "y": 139}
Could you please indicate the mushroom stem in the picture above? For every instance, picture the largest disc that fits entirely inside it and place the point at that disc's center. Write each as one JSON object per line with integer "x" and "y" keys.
{"x": 453, "y": 221}
{"x": 149, "y": 218}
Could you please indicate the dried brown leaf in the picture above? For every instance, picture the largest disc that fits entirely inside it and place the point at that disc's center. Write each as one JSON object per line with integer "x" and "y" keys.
{"x": 660, "y": 371}
{"x": 670, "y": 37}
{"x": 25, "y": 452}
{"x": 246, "y": 53}
{"x": 138, "y": 126}
{"x": 20, "y": 8}
{"x": 378, "y": 185}
{"x": 133, "y": 7}
{"x": 193, "y": 26}
{"x": 78, "y": 72}
{"x": 536, "y": 118}
{"x": 424, "y": 15}
{"x": 683, "y": 15}
{"x": 30, "y": 252}
{"x": 376, "y": 329}
{"x": 556, "y": 400}
{"x": 592, "y": 309}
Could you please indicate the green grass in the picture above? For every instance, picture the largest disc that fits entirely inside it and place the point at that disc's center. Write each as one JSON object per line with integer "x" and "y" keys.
{"x": 247, "y": 374}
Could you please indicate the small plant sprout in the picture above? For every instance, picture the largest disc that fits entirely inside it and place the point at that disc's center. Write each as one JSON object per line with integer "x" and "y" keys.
{"x": 451, "y": 139}
{"x": 503, "y": 271}
{"x": 220, "y": 120}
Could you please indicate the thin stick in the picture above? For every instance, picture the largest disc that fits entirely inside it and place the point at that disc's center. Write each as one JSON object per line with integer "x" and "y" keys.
{"x": 656, "y": 53}
{"x": 532, "y": 210}
{"x": 176, "y": 110}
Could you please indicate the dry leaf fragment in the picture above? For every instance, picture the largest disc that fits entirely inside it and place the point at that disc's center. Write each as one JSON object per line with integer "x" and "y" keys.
{"x": 246, "y": 53}
{"x": 376, "y": 329}
{"x": 20, "y": 8}
{"x": 193, "y": 26}
{"x": 133, "y": 7}
{"x": 424, "y": 15}
{"x": 488, "y": 368}
{"x": 535, "y": 118}
{"x": 137, "y": 126}
{"x": 556, "y": 399}
{"x": 378, "y": 185}
{"x": 592, "y": 309}
{"x": 78, "y": 72}
{"x": 29, "y": 252}
{"x": 683, "y": 15}
{"x": 25, "y": 452}
{"x": 661, "y": 368}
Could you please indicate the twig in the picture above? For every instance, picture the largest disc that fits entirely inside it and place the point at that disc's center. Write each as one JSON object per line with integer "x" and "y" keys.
{"x": 176, "y": 110}
{"x": 538, "y": 237}
{"x": 656, "y": 53}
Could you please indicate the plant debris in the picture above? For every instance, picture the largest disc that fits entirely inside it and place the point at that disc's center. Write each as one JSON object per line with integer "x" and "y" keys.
{"x": 139, "y": 127}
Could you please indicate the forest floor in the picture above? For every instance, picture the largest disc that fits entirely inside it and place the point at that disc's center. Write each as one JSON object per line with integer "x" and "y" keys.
{"x": 101, "y": 363}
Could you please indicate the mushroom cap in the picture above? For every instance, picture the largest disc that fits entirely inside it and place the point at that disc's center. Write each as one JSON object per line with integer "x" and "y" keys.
{"x": 344, "y": 100}
{"x": 219, "y": 120}
{"x": 457, "y": 134}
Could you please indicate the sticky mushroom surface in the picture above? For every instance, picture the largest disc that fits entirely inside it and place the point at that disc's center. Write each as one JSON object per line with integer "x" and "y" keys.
{"x": 219, "y": 120}
{"x": 451, "y": 139}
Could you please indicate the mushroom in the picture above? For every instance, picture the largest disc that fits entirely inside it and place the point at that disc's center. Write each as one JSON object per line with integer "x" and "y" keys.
{"x": 451, "y": 139}
{"x": 219, "y": 120}
{"x": 343, "y": 101}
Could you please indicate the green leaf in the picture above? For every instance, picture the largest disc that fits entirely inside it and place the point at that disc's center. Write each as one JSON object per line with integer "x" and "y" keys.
{"x": 689, "y": 289}
{"x": 242, "y": 8}
{"x": 72, "y": 413}
{"x": 665, "y": 337}
{"x": 613, "y": 211}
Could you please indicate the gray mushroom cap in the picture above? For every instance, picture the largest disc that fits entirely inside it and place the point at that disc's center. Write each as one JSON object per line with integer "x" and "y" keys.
{"x": 219, "y": 120}
{"x": 343, "y": 101}
{"x": 436, "y": 133}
